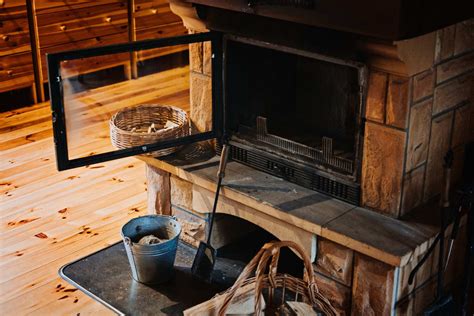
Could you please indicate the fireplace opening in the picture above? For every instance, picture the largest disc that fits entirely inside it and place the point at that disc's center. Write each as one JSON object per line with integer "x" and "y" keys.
{"x": 303, "y": 99}
{"x": 299, "y": 111}
{"x": 237, "y": 246}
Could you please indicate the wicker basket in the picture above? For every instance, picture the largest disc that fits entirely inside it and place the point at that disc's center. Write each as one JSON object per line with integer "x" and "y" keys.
{"x": 264, "y": 285}
{"x": 124, "y": 122}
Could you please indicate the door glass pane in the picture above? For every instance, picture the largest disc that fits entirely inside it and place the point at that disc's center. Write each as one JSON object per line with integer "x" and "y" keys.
{"x": 131, "y": 99}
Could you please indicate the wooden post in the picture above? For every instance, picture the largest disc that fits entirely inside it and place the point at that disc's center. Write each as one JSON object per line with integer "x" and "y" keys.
{"x": 159, "y": 191}
{"x": 132, "y": 73}
{"x": 34, "y": 95}
{"x": 35, "y": 51}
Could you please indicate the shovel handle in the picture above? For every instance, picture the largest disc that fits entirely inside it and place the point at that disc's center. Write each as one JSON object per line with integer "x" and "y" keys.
{"x": 220, "y": 177}
{"x": 223, "y": 161}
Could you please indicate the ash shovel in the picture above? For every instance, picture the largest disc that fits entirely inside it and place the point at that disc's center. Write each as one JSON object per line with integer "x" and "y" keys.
{"x": 205, "y": 259}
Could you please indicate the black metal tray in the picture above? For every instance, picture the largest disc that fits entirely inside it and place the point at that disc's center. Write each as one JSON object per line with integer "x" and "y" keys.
{"x": 105, "y": 276}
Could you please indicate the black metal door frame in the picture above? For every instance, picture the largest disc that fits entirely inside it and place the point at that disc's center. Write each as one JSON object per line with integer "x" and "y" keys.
{"x": 57, "y": 101}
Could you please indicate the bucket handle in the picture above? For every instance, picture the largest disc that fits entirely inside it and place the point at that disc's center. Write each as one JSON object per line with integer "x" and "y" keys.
{"x": 128, "y": 249}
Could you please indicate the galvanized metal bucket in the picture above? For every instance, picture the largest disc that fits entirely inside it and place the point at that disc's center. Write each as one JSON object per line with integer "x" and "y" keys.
{"x": 151, "y": 264}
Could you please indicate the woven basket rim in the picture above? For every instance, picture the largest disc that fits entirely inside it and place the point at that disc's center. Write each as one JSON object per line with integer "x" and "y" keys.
{"x": 149, "y": 105}
{"x": 267, "y": 258}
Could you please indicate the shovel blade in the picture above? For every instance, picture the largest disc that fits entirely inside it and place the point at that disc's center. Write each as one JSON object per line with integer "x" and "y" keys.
{"x": 204, "y": 261}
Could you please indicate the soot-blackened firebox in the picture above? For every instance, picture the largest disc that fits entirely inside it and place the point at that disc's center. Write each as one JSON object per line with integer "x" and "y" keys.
{"x": 295, "y": 114}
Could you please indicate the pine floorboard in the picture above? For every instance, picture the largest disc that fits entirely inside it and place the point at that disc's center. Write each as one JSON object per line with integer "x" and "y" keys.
{"x": 50, "y": 218}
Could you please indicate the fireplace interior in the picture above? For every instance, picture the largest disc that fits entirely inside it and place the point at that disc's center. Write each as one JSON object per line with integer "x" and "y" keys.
{"x": 301, "y": 119}
{"x": 303, "y": 99}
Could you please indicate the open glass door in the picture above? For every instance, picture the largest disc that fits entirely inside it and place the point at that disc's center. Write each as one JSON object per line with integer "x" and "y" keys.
{"x": 89, "y": 87}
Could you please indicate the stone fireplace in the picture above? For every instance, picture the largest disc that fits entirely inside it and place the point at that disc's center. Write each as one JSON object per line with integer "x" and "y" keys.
{"x": 338, "y": 144}
{"x": 403, "y": 91}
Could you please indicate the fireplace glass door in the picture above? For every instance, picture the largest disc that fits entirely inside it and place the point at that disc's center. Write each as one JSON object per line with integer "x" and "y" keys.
{"x": 121, "y": 100}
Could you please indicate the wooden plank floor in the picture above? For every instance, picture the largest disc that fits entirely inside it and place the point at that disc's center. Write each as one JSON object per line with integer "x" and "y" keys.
{"x": 50, "y": 218}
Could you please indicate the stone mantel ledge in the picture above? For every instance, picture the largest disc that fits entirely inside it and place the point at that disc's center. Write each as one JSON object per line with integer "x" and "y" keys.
{"x": 389, "y": 240}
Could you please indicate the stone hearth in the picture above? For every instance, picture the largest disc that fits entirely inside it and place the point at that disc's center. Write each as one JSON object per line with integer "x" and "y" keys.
{"x": 362, "y": 258}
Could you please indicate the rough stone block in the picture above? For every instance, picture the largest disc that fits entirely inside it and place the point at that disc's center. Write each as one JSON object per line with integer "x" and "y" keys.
{"x": 414, "y": 295}
{"x": 193, "y": 226}
{"x": 419, "y": 134}
{"x": 405, "y": 298}
{"x": 382, "y": 171}
{"x": 423, "y": 292}
{"x": 181, "y": 193}
{"x": 203, "y": 201}
{"x": 207, "y": 58}
{"x": 397, "y": 102}
{"x": 412, "y": 190}
{"x": 423, "y": 85}
{"x": 461, "y": 125}
{"x": 372, "y": 288}
{"x": 464, "y": 37}
{"x": 376, "y": 95}
{"x": 158, "y": 191}
{"x": 454, "y": 67}
{"x": 439, "y": 145}
{"x": 335, "y": 261}
{"x": 338, "y": 295}
{"x": 196, "y": 57}
{"x": 444, "y": 43}
{"x": 425, "y": 295}
{"x": 453, "y": 92}
{"x": 201, "y": 102}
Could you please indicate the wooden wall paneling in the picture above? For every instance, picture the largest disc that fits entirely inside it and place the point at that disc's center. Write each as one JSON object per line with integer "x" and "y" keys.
{"x": 159, "y": 31}
{"x": 100, "y": 41}
{"x": 16, "y": 68}
{"x": 132, "y": 37}
{"x": 169, "y": 30}
{"x": 29, "y": 29}
{"x": 58, "y": 5}
{"x": 80, "y": 25}
{"x": 153, "y": 20}
{"x": 16, "y": 71}
{"x": 83, "y": 66}
{"x": 158, "y": 52}
{"x": 12, "y": 9}
{"x": 152, "y": 13}
{"x": 14, "y": 34}
{"x": 13, "y": 67}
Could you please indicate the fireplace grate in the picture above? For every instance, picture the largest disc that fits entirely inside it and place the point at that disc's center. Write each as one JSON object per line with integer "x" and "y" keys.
{"x": 324, "y": 156}
{"x": 306, "y": 177}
